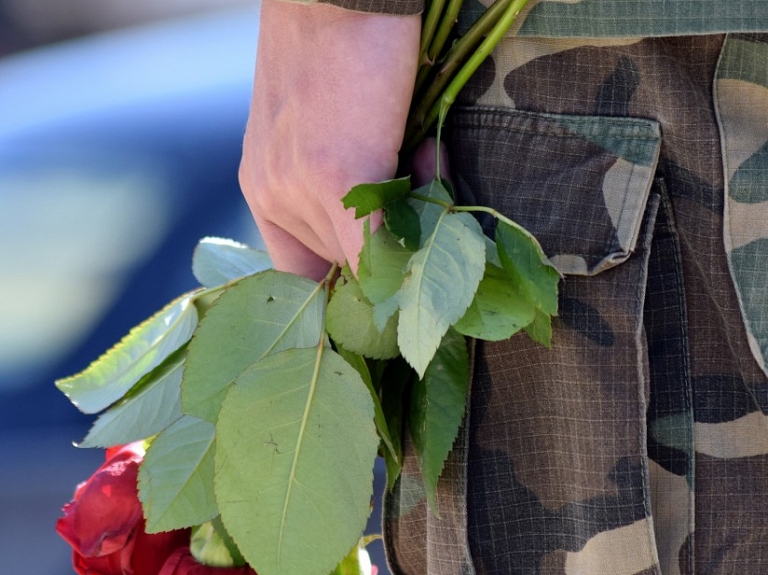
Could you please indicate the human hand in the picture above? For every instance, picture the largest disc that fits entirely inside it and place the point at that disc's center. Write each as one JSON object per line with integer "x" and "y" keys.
{"x": 331, "y": 97}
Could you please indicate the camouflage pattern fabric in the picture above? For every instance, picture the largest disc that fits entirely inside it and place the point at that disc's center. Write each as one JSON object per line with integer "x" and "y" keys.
{"x": 641, "y": 18}
{"x": 604, "y": 18}
{"x": 638, "y": 444}
{"x": 631, "y": 136}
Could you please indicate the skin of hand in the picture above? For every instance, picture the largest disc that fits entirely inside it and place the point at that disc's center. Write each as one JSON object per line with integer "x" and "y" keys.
{"x": 331, "y": 95}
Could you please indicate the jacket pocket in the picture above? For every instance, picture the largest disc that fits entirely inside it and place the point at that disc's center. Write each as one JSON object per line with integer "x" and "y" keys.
{"x": 580, "y": 184}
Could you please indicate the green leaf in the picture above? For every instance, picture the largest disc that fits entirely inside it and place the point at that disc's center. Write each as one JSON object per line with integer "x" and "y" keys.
{"x": 295, "y": 450}
{"x": 394, "y": 383}
{"x": 448, "y": 188}
{"x": 499, "y": 309}
{"x": 383, "y": 312}
{"x": 430, "y": 213}
{"x": 349, "y": 322}
{"x": 382, "y": 264}
{"x": 443, "y": 277}
{"x": 211, "y": 545}
{"x": 403, "y": 222}
{"x": 492, "y": 253}
{"x": 523, "y": 259}
{"x": 204, "y": 300}
{"x": 357, "y": 562}
{"x": 367, "y": 198}
{"x": 438, "y": 403}
{"x": 383, "y": 261}
{"x": 382, "y": 428}
{"x": 153, "y": 405}
{"x": 217, "y": 261}
{"x": 540, "y": 330}
{"x": 144, "y": 348}
{"x": 176, "y": 477}
{"x": 256, "y": 316}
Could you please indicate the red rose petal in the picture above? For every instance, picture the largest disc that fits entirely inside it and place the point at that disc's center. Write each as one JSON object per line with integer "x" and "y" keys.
{"x": 108, "y": 509}
{"x": 183, "y": 563}
{"x": 152, "y": 549}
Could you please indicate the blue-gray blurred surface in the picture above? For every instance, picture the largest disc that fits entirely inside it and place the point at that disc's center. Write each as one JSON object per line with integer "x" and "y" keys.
{"x": 117, "y": 153}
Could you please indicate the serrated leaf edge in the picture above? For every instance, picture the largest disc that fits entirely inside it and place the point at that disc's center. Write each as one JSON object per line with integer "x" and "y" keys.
{"x": 66, "y": 384}
{"x": 155, "y": 525}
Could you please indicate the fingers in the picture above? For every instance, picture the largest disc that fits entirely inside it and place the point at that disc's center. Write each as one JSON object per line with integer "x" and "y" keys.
{"x": 291, "y": 255}
{"x": 340, "y": 240}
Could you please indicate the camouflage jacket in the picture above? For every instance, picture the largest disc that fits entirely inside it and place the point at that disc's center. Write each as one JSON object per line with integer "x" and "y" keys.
{"x": 631, "y": 136}
{"x": 639, "y": 443}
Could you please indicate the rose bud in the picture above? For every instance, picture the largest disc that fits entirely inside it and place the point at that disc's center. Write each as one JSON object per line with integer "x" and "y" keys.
{"x": 104, "y": 522}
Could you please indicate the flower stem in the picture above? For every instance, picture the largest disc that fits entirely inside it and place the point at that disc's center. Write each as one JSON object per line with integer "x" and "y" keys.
{"x": 421, "y": 198}
{"x": 492, "y": 25}
{"x": 453, "y": 59}
{"x": 498, "y": 215}
{"x": 431, "y": 22}
{"x": 444, "y": 27}
{"x": 454, "y": 208}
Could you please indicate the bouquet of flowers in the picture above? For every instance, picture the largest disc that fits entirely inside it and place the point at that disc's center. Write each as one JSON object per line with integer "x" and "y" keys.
{"x": 263, "y": 398}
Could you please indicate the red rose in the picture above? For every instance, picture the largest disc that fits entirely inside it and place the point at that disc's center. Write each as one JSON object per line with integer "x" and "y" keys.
{"x": 183, "y": 563}
{"x": 104, "y": 523}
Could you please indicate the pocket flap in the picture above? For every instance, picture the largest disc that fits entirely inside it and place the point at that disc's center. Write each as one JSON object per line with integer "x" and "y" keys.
{"x": 580, "y": 184}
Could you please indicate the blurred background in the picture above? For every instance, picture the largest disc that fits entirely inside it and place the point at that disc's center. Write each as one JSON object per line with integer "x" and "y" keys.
{"x": 120, "y": 132}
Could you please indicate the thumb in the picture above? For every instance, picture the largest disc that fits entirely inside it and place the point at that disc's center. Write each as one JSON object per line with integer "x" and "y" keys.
{"x": 424, "y": 162}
